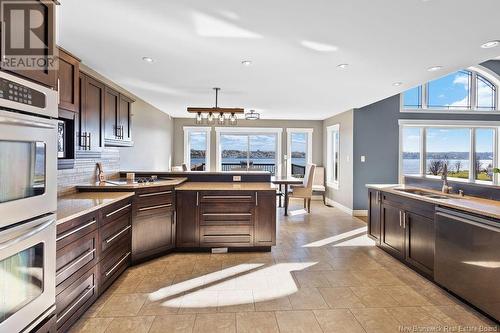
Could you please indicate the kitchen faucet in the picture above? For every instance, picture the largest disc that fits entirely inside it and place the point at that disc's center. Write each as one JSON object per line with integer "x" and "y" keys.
{"x": 446, "y": 188}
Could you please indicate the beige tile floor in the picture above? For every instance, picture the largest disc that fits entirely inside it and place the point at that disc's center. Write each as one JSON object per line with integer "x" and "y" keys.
{"x": 324, "y": 275}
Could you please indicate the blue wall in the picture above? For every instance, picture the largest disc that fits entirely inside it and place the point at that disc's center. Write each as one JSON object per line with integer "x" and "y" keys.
{"x": 376, "y": 136}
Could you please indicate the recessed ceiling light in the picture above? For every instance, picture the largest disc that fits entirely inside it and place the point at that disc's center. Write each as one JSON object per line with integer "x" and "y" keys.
{"x": 246, "y": 62}
{"x": 342, "y": 66}
{"x": 397, "y": 84}
{"x": 434, "y": 68}
{"x": 147, "y": 59}
{"x": 490, "y": 44}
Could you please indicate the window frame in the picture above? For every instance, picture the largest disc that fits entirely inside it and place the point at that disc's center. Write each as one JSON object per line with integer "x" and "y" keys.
{"x": 188, "y": 130}
{"x": 289, "y": 132}
{"x": 471, "y": 125}
{"x": 248, "y": 131}
{"x": 488, "y": 75}
{"x": 330, "y": 162}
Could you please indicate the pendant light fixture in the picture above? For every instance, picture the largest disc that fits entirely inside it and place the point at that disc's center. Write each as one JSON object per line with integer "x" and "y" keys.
{"x": 216, "y": 112}
{"x": 252, "y": 115}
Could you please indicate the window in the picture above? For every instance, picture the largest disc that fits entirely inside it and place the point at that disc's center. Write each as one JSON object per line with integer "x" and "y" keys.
{"x": 473, "y": 90}
{"x": 249, "y": 149}
{"x": 299, "y": 150}
{"x": 197, "y": 148}
{"x": 333, "y": 156}
{"x": 467, "y": 148}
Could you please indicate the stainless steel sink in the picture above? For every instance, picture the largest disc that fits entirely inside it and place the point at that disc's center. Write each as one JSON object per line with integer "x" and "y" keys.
{"x": 423, "y": 193}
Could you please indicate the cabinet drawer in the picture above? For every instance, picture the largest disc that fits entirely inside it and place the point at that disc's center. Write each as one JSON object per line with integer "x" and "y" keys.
{"x": 117, "y": 231}
{"x": 227, "y": 197}
{"x": 74, "y": 300}
{"x": 113, "y": 264}
{"x": 116, "y": 211}
{"x": 226, "y": 236}
{"x": 160, "y": 208}
{"x": 72, "y": 230}
{"x": 226, "y": 214}
{"x": 75, "y": 259}
{"x": 158, "y": 197}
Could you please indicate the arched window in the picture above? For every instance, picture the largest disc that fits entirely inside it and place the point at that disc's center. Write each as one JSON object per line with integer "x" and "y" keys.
{"x": 461, "y": 91}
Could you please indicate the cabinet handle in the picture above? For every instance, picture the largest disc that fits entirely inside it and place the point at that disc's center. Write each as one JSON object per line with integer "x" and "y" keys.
{"x": 154, "y": 207}
{"x": 121, "y": 132}
{"x": 227, "y": 197}
{"x": 88, "y": 290}
{"x": 197, "y": 199}
{"x": 75, "y": 262}
{"x": 404, "y": 220}
{"x": 90, "y": 141}
{"x": 118, "y": 210}
{"x": 82, "y": 139}
{"x": 256, "y": 199}
{"x": 400, "y": 220}
{"x": 117, "y": 264}
{"x": 227, "y": 214}
{"x": 69, "y": 233}
{"x": 153, "y": 194}
{"x": 58, "y": 91}
{"x": 109, "y": 240}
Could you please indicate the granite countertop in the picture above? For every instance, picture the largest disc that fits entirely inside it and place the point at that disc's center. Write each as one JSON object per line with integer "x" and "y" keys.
{"x": 78, "y": 204}
{"x": 130, "y": 186}
{"x": 485, "y": 207}
{"x": 225, "y": 186}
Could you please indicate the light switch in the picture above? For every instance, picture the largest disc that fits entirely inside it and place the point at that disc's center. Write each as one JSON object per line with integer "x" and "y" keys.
{"x": 348, "y": 158}
{"x": 363, "y": 159}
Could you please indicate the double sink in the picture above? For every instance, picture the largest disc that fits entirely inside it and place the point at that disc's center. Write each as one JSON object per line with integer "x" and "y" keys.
{"x": 427, "y": 194}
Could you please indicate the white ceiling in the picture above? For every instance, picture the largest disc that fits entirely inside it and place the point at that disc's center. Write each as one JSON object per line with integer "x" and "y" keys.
{"x": 199, "y": 44}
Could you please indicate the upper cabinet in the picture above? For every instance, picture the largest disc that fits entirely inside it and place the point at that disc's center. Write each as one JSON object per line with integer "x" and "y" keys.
{"x": 92, "y": 94}
{"x": 68, "y": 81}
{"x": 117, "y": 119}
{"x": 44, "y": 42}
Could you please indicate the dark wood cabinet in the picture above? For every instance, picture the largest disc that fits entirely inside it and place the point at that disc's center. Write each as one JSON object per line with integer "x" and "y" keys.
{"x": 265, "y": 219}
{"x": 187, "y": 227}
{"x": 68, "y": 81}
{"x": 91, "y": 252}
{"x": 45, "y": 34}
{"x": 153, "y": 223}
{"x": 392, "y": 231}
{"x": 419, "y": 242}
{"x": 407, "y": 231}
{"x": 117, "y": 119}
{"x": 374, "y": 201}
{"x": 226, "y": 219}
{"x": 91, "y": 113}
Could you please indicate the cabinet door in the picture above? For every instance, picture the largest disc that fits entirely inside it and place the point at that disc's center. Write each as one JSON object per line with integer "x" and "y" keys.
{"x": 187, "y": 226}
{"x": 45, "y": 33}
{"x": 68, "y": 83}
{"x": 92, "y": 110}
{"x": 392, "y": 231}
{"x": 152, "y": 233}
{"x": 374, "y": 215}
{"x": 419, "y": 242}
{"x": 265, "y": 219}
{"x": 125, "y": 118}
{"x": 111, "y": 113}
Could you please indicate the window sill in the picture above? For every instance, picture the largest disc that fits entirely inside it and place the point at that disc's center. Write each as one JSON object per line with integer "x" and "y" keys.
{"x": 333, "y": 185}
{"x": 453, "y": 179}
{"x": 447, "y": 111}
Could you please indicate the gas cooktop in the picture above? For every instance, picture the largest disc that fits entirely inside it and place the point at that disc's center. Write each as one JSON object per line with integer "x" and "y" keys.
{"x": 137, "y": 180}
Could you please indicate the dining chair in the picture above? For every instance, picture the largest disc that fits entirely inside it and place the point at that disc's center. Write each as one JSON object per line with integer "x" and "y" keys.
{"x": 319, "y": 182}
{"x": 304, "y": 191}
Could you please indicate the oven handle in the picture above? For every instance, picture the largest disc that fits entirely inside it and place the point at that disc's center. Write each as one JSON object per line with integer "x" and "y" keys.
{"x": 25, "y": 236}
{"x": 28, "y": 123}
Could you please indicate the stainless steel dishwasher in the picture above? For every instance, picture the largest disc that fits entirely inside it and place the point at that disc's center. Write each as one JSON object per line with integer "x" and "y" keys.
{"x": 467, "y": 258}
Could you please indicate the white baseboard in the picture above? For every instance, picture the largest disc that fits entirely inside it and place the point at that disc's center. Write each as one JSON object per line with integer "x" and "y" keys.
{"x": 360, "y": 212}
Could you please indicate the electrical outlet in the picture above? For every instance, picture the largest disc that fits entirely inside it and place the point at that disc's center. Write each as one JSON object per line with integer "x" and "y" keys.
{"x": 236, "y": 178}
{"x": 363, "y": 159}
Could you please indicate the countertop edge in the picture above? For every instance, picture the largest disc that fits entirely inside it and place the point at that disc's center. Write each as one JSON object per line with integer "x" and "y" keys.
{"x": 125, "y": 195}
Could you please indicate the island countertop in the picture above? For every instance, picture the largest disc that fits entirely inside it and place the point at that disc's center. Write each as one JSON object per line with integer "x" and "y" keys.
{"x": 225, "y": 186}
{"x": 485, "y": 207}
{"x": 74, "y": 205}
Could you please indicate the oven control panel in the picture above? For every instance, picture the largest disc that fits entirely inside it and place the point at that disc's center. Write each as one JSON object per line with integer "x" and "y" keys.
{"x": 19, "y": 93}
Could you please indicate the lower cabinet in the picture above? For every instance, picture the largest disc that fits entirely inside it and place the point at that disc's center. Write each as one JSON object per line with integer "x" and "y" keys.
{"x": 226, "y": 219}
{"x": 407, "y": 231}
{"x": 374, "y": 201}
{"x": 92, "y": 251}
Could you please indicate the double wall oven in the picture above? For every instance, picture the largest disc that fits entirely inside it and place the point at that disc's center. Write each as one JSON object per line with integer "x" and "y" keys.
{"x": 28, "y": 202}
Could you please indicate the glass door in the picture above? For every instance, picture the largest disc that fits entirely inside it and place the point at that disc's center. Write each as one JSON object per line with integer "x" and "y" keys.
{"x": 298, "y": 153}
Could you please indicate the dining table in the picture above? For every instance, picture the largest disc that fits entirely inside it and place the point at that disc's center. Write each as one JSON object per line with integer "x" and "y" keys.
{"x": 285, "y": 181}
